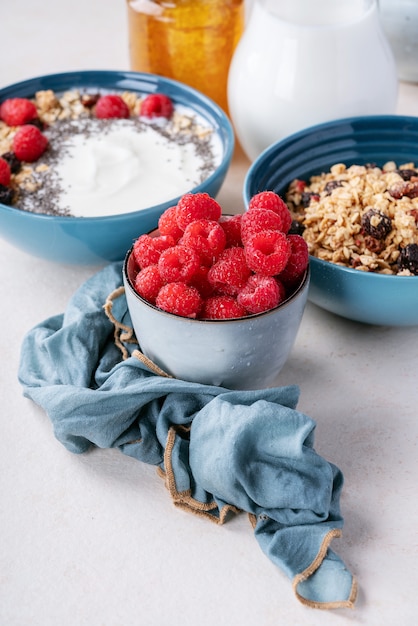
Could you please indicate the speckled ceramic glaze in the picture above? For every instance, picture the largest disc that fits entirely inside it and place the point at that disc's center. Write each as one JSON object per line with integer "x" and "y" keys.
{"x": 88, "y": 241}
{"x": 244, "y": 353}
{"x": 365, "y": 297}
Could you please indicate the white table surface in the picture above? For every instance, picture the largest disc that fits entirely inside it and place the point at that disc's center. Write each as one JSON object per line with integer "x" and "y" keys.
{"x": 94, "y": 539}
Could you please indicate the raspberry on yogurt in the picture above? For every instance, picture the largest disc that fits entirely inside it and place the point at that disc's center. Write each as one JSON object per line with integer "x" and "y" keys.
{"x": 111, "y": 106}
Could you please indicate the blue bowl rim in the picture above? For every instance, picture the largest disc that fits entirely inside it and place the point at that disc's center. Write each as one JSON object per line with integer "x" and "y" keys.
{"x": 153, "y": 79}
{"x": 312, "y": 130}
{"x": 317, "y": 128}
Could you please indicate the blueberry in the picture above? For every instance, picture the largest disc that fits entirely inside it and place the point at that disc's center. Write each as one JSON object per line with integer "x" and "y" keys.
{"x": 296, "y": 228}
{"x": 6, "y": 195}
{"x": 14, "y": 163}
{"x": 37, "y": 122}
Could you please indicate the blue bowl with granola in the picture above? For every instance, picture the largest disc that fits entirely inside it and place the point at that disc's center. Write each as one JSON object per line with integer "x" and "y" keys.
{"x": 89, "y": 160}
{"x": 352, "y": 187}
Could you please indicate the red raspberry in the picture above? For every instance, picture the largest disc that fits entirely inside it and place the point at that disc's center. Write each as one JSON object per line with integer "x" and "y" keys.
{"x": 222, "y": 308}
{"x": 267, "y": 252}
{"x": 196, "y": 206}
{"x": 200, "y": 281}
{"x": 18, "y": 111}
{"x": 232, "y": 227}
{"x": 255, "y": 221}
{"x": 29, "y": 143}
{"x": 156, "y": 105}
{"x": 147, "y": 249}
{"x": 148, "y": 283}
{"x": 4, "y": 172}
{"x": 111, "y": 106}
{"x": 179, "y": 299}
{"x": 270, "y": 200}
{"x": 207, "y": 238}
{"x": 230, "y": 272}
{"x": 261, "y": 293}
{"x": 167, "y": 224}
{"x": 178, "y": 264}
{"x": 298, "y": 260}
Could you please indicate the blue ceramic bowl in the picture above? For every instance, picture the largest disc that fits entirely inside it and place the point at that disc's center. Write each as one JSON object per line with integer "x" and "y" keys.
{"x": 362, "y": 296}
{"x": 88, "y": 241}
{"x": 243, "y": 353}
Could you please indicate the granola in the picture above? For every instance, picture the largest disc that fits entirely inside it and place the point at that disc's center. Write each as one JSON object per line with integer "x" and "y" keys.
{"x": 362, "y": 216}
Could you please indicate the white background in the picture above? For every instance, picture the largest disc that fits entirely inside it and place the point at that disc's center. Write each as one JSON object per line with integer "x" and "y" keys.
{"x": 94, "y": 539}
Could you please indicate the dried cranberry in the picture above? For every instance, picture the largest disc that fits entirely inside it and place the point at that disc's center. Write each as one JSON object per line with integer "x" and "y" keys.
{"x": 408, "y": 188}
{"x": 376, "y": 224}
{"x": 408, "y": 258}
{"x": 373, "y": 244}
{"x": 414, "y": 213}
{"x": 89, "y": 100}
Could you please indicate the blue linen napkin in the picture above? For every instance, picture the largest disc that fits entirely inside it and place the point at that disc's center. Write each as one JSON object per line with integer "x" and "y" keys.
{"x": 219, "y": 451}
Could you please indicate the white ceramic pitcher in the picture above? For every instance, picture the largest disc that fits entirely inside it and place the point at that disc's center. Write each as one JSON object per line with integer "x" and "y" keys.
{"x": 303, "y": 62}
{"x": 400, "y": 23}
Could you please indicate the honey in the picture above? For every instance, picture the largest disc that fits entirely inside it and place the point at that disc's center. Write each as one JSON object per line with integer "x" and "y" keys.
{"x": 191, "y": 41}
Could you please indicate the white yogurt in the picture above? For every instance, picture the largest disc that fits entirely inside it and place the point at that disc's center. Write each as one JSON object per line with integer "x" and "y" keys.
{"x": 126, "y": 168}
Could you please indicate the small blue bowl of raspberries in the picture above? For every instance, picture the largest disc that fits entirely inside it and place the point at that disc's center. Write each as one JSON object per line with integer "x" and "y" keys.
{"x": 218, "y": 299}
{"x": 88, "y": 158}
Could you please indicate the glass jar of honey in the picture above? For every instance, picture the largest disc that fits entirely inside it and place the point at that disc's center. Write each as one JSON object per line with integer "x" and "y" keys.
{"x": 191, "y": 41}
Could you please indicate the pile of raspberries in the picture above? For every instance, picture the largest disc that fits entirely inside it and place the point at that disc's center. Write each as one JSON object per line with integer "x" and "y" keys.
{"x": 203, "y": 265}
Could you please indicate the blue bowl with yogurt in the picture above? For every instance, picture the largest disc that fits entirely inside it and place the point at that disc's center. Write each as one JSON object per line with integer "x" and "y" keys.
{"x": 84, "y": 215}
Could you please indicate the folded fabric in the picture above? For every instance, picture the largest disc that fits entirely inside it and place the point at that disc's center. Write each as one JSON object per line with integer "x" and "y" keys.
{"x": 219, "y": 451}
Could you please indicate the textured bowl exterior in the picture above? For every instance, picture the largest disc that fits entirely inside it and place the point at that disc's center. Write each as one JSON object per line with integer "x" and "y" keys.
{"x": 361, "y": 296}
{"x": 364, "y": 297}
{"x": 244, "y": 353}
{"x": 89, "y": 241}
